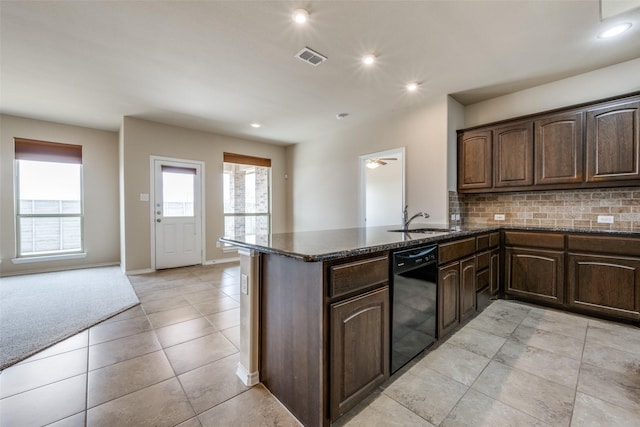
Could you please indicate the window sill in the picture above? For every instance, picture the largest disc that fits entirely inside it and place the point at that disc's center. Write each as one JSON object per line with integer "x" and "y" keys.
{"x": 45, "y": 258}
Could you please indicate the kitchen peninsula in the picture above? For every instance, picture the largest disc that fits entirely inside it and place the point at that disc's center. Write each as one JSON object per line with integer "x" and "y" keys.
{"x": 315, "y": 305}
{"x": 315, "y": 310}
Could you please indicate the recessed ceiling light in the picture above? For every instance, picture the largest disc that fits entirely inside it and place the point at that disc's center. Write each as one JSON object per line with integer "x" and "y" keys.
{"x": 614, "y": 31}
{"x": 255, "y": 125}
{"x": 368, "y": 59}
{"x": 300, "y": 16}
{"x": 413, "y": 86}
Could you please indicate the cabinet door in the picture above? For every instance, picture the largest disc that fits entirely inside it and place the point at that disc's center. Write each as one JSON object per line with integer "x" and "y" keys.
{"x": 359, "y": 348}
{"x": 474, "y": 160}
{"x": 494, "y": 272}
{"x": 558, "y": 149}
{"x": 535, "y": 274}
{"x": 448, "y": 298}
{"x": 467, "y": 287}
{"x": 613, "y": 142}
{"x": 513, "y": 155}
{"x": 606, "y": 285}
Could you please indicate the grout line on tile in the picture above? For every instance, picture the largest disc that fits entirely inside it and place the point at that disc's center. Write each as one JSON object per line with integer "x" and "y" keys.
{"x": 575, "y": 391}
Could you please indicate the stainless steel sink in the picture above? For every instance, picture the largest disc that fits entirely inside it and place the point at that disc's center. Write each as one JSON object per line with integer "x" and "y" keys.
{"x": 421, "y": 230}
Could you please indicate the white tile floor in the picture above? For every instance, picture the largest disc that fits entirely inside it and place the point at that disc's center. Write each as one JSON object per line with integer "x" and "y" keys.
{"x": 171, "y": 361}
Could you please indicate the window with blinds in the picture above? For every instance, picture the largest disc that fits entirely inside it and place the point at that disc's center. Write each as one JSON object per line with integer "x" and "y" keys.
{"x": 247, "y": 195}
{"x": 49, "y": 211}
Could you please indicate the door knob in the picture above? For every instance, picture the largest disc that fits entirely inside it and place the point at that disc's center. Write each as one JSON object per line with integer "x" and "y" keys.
{"x": 158, "y": 220}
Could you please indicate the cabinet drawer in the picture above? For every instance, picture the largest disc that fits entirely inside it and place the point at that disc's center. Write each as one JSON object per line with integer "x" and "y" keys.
{"x": 611, "y": 245}
{"x": 482, "y": 260}
{"x": 362, "y": 274}
{"x": 482, "y": 242}
{"x": 494, "y": 239}
{"x": 534, "y": 240}
{"x": 455, "y": 250}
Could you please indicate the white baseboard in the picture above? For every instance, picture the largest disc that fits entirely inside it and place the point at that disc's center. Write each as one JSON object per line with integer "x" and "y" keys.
{"x": 221, "y": 260}
{"x": 209, "y": 262}
{"x": 248, "y": 378}
{"x": 55, "y": 269}
{"x": 136, "y": 272}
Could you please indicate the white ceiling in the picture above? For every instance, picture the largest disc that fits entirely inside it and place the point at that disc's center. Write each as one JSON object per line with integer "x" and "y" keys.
{"x": 221, "y": 65}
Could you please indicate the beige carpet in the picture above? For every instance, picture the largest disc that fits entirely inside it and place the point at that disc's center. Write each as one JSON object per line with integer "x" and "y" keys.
{"x": 39, "y": 310}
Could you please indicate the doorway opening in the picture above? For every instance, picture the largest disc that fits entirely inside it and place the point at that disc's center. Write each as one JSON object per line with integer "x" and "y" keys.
{"x": 382, "y": 188}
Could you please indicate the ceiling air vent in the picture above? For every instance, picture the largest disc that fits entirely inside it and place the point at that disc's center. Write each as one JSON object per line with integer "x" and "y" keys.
{"x": 310, "y": 56}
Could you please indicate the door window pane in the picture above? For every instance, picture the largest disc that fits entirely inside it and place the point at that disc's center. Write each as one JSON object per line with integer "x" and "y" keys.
{"x": 178, "y": 194}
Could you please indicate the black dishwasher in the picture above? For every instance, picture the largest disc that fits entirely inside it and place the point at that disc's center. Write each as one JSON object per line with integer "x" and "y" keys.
{"x": 414, "y": 300}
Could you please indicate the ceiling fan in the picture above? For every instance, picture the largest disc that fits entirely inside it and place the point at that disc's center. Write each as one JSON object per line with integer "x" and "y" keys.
{"x": 374, "y": 163}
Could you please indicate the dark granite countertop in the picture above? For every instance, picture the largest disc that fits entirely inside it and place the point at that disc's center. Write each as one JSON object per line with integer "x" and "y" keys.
{"x": 324, "y": 245}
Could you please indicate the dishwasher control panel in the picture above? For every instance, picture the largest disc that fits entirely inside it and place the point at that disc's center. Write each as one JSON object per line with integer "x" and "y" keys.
{"x": 412, "y": 258}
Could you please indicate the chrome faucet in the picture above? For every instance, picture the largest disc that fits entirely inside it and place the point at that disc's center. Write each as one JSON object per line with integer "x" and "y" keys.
{"x": 406, "y": 221}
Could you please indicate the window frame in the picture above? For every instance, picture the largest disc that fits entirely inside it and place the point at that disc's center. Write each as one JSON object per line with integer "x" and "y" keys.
{"x": 239, "y": 159}
{"x": 48, "y": 148}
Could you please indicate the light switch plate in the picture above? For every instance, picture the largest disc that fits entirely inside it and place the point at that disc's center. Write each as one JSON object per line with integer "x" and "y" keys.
{"x": 605, "y": 219}
{"x": 244, "y": 284}
{"x": 144, "y": 197}
{"x": 498, "y": 217}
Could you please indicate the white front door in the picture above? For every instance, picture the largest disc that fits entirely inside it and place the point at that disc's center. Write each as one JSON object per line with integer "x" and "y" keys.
{"x": 177, "y": 213}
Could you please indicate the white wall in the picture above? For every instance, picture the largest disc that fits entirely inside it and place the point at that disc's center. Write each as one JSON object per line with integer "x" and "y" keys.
{"x": 606, "y": 82}
{"x": 324, "y": 185}
{"x": 455, "y": 121}
{"x": 141, "y": 139}
{"x": 100, "y": 184}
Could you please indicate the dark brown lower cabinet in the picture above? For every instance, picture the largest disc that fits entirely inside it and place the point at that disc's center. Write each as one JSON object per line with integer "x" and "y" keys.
{"x": 604, "y": 284}
{"x": 456, "y": 294}
{"x": 324, "y": 332}
{"x": 487, "y": 277}
{"x": 448, "y": 298}
{"x": 494, "y": 272}
{"x": 535, "y": 274}
{"x": 359, "y": 348}
{"x": 467, "y": 288}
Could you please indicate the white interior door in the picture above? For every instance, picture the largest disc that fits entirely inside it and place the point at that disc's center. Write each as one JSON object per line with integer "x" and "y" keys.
{"x": 177, "y": 211}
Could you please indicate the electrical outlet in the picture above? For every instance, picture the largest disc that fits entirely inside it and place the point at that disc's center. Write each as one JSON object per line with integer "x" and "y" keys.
{"x": 605, "y": 219}
{"x": 498, "y": 217}
{"x": 244, "y": 284}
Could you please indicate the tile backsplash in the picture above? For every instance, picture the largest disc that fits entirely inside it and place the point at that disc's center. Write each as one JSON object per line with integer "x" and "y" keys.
{"x": 565, "y": 208}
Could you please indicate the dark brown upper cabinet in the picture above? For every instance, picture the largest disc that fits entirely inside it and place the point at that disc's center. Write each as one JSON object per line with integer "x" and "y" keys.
{"x": 558, "y": 148}
{"x": 613, "y": 142}
{"x": 592, "y": 145}
{"x": 475, "y": 160}
{"x": 513, "y": 155}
